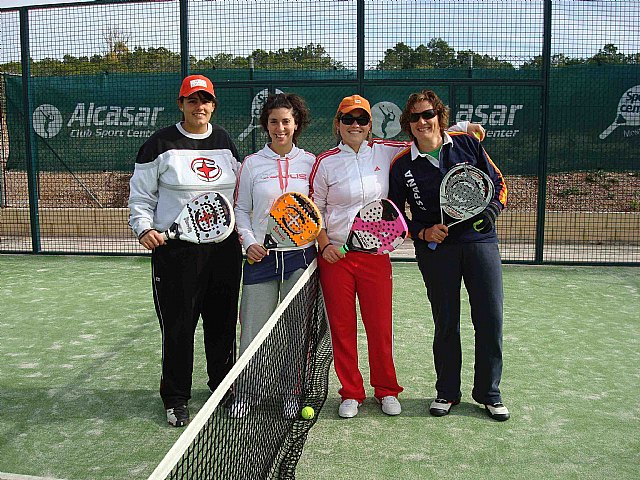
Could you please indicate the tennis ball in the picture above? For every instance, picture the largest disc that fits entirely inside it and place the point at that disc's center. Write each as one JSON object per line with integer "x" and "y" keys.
{"x": 477, "y": 135}
{"x": 308, "y": 413}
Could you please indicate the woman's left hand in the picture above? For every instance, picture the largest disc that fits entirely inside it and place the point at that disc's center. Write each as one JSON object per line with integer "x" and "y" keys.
{"x": 476, "y": 130}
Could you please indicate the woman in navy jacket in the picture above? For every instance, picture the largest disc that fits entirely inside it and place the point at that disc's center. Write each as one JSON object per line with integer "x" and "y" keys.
{"x": 468, "y": 251}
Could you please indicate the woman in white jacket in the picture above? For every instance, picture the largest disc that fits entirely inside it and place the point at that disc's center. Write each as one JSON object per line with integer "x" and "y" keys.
{"x": 343, "y": 180}
{"x": 278, "y": 168}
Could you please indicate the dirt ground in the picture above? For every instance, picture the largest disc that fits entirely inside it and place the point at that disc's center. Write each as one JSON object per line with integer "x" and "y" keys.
{"x": 595, "y": 192}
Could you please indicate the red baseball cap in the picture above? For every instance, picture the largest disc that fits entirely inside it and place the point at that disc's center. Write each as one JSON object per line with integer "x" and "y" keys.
{"x": 195, "y": 83}
{"x": 354, "y": 101}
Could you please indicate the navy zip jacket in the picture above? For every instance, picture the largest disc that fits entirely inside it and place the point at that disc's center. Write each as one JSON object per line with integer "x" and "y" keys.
{"x": 416, "y": 181}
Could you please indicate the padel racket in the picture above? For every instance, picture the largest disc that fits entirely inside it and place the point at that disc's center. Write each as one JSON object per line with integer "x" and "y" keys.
{"x": 294, "y": 221}
{"x": 465, "y": 191}
{"x": 378, "y": 228}
{"x": 206, "y": 218}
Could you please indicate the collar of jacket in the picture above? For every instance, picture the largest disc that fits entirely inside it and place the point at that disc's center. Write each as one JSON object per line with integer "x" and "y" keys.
{"x": 346, "y": 148}
{"x": 415, "y": 153}
{"x": 267, "y": 152}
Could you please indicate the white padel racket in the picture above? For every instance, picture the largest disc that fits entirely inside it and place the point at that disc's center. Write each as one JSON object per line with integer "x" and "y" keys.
{"x": 206, "y": 218}
{"x": 465, "y": 191}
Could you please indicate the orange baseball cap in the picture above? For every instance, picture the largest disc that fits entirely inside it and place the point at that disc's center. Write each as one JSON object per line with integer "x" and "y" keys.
{"x": 354, "y": 101}
{"x": 195, "y": 83}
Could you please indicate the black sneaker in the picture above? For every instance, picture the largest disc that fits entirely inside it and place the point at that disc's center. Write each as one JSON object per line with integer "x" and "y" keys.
{"x": 441, "y": 407}
{"x": 178, "y": 416}
{"x": 497, "y": 411}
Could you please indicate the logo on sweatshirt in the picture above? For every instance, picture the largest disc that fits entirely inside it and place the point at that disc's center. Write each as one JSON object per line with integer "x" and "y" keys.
{"x": 206, "y": 169}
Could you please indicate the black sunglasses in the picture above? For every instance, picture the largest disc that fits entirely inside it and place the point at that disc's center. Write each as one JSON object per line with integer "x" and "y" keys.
{"x": 426, "y": 115}
{"x": 349, "y": 119}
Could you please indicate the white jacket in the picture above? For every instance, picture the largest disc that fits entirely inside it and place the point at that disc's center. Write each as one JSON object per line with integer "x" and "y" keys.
{"x": 263, "y": 177}
{"x": 343, "y": 181}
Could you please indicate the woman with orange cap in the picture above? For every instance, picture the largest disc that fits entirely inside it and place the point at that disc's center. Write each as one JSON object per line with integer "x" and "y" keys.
{"x": 174, "y": 165}
{"x": 343, "y": 180}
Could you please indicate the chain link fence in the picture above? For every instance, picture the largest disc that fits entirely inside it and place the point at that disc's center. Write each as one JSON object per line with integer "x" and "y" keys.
{"x": 556, "y": 84}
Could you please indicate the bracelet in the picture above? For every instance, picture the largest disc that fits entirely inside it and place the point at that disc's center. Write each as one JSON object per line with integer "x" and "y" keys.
{"x": 324, "y": 248}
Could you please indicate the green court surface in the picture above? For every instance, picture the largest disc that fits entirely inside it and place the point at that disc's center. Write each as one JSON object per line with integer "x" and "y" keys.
{"x": 80, "y": 350}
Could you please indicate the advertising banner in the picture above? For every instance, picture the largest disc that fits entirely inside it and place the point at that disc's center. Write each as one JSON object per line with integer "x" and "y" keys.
{"x": 96, "y": 123}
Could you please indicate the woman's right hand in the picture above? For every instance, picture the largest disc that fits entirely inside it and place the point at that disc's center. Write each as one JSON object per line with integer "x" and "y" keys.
{"x": 437, "y": 233}
{"x": 151, "y": 239}
{"x": 332, "y": 254}
{"x": 256, "y": 252}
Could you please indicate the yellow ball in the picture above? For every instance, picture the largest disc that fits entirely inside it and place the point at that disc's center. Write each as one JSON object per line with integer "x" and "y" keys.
{"x": 308, "y": 413}
{"x": 477, "y": 135}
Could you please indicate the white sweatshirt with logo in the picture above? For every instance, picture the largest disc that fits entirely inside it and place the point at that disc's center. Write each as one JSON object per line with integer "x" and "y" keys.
{"x": 174, "y": 166}
{"x": 263, "y": 177}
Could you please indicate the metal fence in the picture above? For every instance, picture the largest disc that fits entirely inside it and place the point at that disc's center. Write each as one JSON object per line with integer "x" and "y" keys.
{"x": 556, "y": 83}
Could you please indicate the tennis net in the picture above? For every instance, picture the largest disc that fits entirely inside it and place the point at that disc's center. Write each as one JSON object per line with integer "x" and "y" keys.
{"x": 251, "y": 427}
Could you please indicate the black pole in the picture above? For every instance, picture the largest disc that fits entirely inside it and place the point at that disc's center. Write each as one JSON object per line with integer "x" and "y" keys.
{"x": 254, "y": 138}
{"x": 184, "y": 38}
{"x": 30, "y": 141}
{"x": 360, "y": 46}
{"x": 544, "y": 135}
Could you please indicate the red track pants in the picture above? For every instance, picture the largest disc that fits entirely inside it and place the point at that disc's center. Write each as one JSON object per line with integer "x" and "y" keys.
{"x": 369, "y": 277}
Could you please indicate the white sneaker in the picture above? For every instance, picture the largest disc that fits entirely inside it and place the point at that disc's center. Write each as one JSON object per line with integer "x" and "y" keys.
{"x": 441, "y": 407}
{"x": 239, "y": 409}
{"x": 348, "y": 408}
{"x": 497, "y": 411}
{"x": 178, "y": 416}
{"x": 390, "y": 405}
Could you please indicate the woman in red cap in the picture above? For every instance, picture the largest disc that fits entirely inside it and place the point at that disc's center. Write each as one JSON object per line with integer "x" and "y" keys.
{"x": 343, "y": 180}
{"x": 190, "y": 280}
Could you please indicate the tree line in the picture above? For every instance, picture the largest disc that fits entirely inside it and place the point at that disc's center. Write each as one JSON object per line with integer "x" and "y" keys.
{"x": 437, "y": 53}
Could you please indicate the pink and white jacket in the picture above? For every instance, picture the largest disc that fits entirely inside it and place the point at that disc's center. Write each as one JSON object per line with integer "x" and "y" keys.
{"x": 262, "y": 178}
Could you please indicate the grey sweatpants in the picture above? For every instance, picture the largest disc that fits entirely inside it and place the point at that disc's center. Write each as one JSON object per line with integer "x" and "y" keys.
{"x": 258, "y": 302}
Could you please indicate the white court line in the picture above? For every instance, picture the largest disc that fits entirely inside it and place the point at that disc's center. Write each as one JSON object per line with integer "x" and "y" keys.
{"x": 13, "y": 476}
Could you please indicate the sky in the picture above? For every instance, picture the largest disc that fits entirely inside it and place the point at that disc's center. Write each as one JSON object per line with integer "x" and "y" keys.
{"x": 580, "y": 29}
{"x": 26, "y": 3}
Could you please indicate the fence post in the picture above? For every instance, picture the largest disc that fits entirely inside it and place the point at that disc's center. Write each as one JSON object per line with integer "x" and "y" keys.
{"x": 3, "y": 133}
{"x": 544, "y": 135}
{"x": 184, "y": 39}
{"x": 30, "y": 141}
{"x": 360, "y": 46}
{"x": 252, "y": 93}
